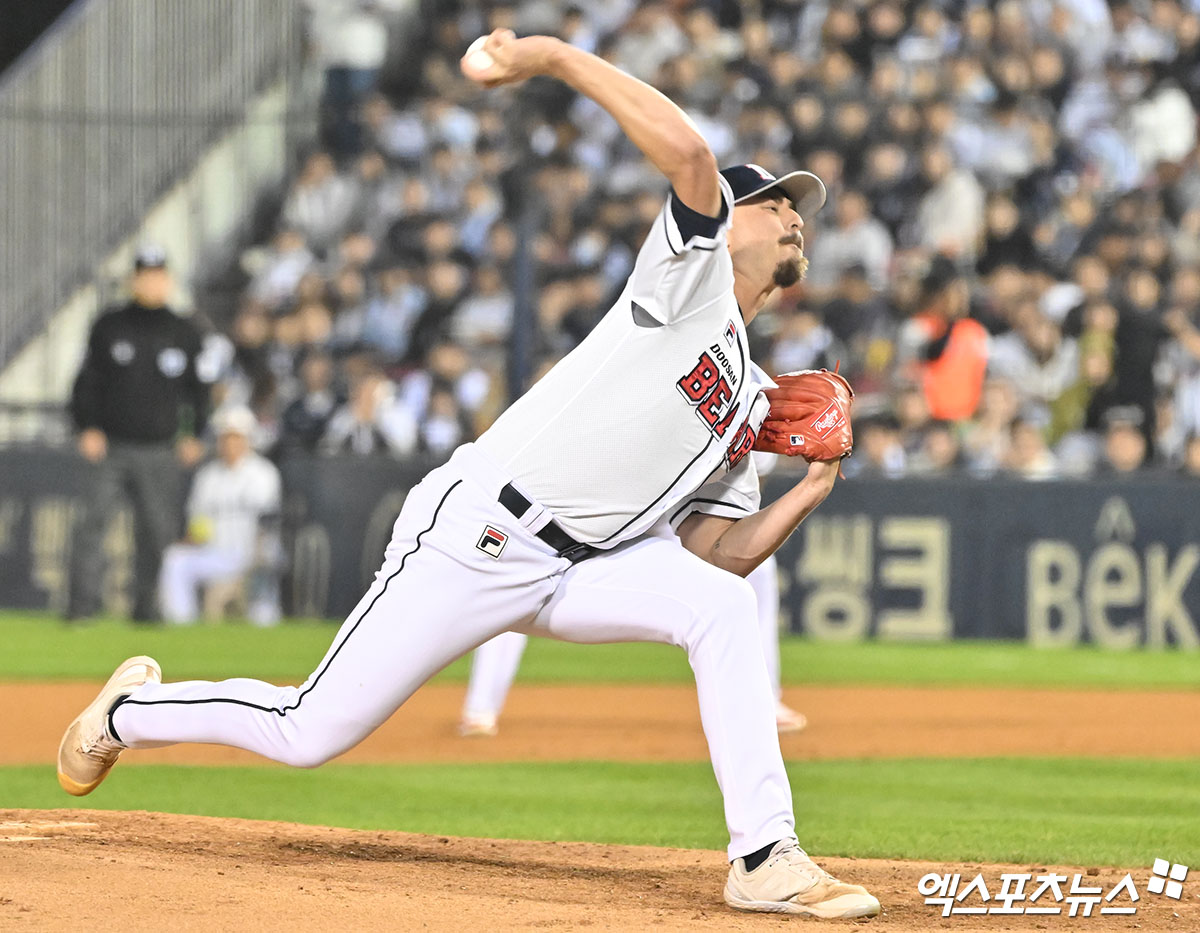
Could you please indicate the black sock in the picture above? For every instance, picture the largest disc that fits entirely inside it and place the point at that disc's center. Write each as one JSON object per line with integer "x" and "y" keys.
{"x": 754, "y": 859}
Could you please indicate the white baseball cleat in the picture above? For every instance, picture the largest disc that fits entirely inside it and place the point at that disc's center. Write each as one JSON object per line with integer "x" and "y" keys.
{"x": 788, "y": 719}
{"x": 789, "y": 882}
{"x": 479, "y": 724}
{"x": 88, "y": 751}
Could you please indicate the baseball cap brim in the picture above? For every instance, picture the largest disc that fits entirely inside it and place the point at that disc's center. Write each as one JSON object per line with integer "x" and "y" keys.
{"x": 803, "y": 189}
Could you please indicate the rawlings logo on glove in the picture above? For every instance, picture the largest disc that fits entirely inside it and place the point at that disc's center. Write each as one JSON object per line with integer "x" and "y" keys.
{"x": 809, "y": 416}
{"x": 831, "y": 418}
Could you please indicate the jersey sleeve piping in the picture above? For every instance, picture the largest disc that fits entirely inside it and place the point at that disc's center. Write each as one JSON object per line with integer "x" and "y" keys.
{"x": 714, "y": 507}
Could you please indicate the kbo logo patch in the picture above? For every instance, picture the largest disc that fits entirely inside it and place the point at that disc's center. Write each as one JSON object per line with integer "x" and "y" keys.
{"x": 492, "y": 542}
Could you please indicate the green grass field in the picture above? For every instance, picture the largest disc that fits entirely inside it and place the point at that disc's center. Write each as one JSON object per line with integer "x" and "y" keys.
{"x": 1064, "y": 811}
{"x": 1025, "y": 810}
{"x": 39, "y": 647}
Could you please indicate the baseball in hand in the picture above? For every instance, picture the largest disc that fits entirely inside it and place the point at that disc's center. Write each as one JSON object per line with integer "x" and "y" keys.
{"x": 476, "y": 62}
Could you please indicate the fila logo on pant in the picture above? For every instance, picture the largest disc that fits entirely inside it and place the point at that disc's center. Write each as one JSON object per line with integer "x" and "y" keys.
{"x": 492, "y": 542}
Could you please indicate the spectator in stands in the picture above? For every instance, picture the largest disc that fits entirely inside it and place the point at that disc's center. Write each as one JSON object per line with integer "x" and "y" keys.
{"x": 1077, "y": 406}
{"x": 385, "y": 323}
{"x": 276, "y": 271}
{"x": 987, "y": 437}
{"x": 858, "y": 240}
{"x": 378, "y": 200}
{"x": 1035, "y": 356}
{"x": 447, "y": 368}
{"x": 803, "y": 341}
{"x": 939, "y": 453}
{"x": 889, "y": 186}
{"x": 860, "y": 320}
{"x": 1125, "y": 445}
{"x": 321, "y": 202}
{"x": 306, "y": 418}
{"x": 253, "y": 374}
{"x": 1006, "y": 241}
{"x": 950, "y": 215}
{"x": 373, "y": 421}
{"x": 945, "y": 350}
{"x": 484, "y": 318}
{"x": 1191, "y": 458}
{"x": 1140, "y": 334}
{"x": 1028, "y": 456}
{"x": 140, "y": 406}
{"x": 351, "y": 43}
{"x": 445, "y": 424}
{"x": 878, "y": 451}
{"x": 232, "y": 531}
{"x": 1046, "y": 150}
{"x": 912, "y": 416}
{"x": 1183, "y": 356}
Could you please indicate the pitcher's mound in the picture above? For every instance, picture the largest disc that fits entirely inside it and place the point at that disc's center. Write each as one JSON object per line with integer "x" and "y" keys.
{"x": 100, "y": 870}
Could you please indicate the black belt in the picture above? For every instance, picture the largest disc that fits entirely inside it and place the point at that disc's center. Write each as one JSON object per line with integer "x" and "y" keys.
{"x": 563, "y": 543}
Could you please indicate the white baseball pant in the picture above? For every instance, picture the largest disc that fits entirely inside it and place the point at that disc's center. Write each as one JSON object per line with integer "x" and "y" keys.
{"x": 494, "y": 663}
{"x": 438, "y": 595}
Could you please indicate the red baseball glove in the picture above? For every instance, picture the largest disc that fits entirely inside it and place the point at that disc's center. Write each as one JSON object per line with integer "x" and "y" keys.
{"x": 809, "y": 416}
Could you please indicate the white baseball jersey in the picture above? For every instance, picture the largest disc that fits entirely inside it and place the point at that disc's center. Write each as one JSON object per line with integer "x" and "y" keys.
{"x": 235, "y": 499}
{"x": 654, "y": 413}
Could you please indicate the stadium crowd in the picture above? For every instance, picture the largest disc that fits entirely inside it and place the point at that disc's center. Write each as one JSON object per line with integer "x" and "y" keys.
{"x": 1008, "y": 268}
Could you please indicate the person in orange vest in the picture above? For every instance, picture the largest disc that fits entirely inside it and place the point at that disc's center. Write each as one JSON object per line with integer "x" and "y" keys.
{"x": 943, "y": 349}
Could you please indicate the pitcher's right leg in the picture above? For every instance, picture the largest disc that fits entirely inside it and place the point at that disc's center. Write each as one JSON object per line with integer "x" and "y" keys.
{"x": 654, "y": 590}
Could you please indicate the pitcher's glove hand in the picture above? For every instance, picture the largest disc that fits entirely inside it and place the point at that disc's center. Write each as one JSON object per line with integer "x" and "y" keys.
{"x": 809, "y": 416}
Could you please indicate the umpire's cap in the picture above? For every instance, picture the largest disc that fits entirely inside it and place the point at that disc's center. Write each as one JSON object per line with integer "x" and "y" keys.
{"x": 149, "y": 256}
{"x": 804, "y": 189}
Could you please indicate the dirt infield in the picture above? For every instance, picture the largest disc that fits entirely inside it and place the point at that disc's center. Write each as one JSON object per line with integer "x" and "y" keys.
{"x": 661, "y": 723}
{"x": 96, "y": 870}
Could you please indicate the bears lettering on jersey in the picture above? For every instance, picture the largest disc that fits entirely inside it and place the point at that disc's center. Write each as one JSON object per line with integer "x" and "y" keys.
{"x": 741, "y": 444}
{"x": 700, "y": 381}
{"x": 710, "y": 391}
{"x": 710, "y": 408}
{"x": 723, "y": 425}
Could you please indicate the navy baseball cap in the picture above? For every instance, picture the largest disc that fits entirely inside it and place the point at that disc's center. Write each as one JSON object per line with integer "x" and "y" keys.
{"x": 804, "y": 189}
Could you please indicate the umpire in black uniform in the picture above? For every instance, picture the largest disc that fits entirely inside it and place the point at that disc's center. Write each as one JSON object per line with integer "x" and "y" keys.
{"x": 140, "y": 407}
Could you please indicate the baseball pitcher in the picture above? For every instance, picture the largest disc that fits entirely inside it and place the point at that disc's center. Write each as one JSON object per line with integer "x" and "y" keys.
{"x": 615, "y": 501}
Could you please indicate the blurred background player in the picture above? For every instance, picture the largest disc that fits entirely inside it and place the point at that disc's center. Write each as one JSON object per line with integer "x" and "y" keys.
{"x": 232, "y": 531}
{"x": 139, "y": 405}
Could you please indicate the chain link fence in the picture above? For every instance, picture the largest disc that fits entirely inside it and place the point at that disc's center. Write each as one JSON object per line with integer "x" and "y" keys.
{"x": 103, "y": 115}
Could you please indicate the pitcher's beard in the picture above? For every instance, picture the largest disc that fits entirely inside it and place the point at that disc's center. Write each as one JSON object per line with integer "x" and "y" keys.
{"x": 791, "y": 271}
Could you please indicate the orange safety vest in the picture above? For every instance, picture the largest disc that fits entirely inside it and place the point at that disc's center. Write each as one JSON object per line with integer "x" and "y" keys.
{"x": 953, "y": 383}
